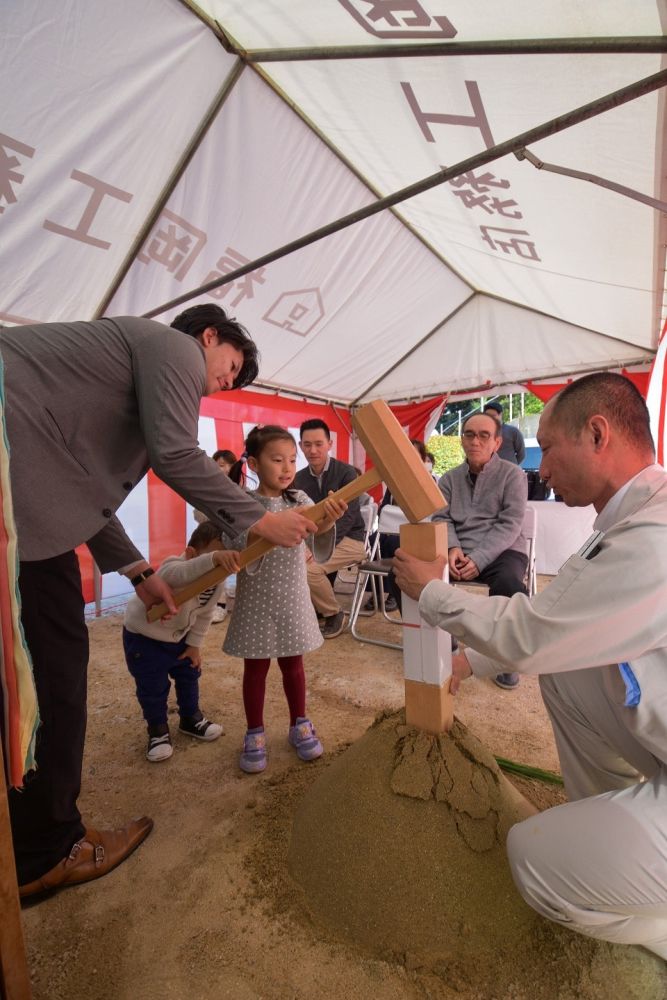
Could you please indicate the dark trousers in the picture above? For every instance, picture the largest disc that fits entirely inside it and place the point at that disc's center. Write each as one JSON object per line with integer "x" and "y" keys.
{"x": 505, "y": 575}
{"x": 151, "y": 663}
{"x": 45, "y": 820}
{"x": 388, "y": 546}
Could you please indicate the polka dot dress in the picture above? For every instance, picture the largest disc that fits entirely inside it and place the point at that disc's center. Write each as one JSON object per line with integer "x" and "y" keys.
{"x": 273, "y": 613}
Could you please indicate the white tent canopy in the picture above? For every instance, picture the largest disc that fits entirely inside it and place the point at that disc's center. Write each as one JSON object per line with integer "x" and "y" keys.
{"x": 146, "y": 149}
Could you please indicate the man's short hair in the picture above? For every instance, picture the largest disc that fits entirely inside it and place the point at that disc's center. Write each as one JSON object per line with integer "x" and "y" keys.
{"x": 497, "y": 430}
{"x": 611, "y": 395}
{"x": 494, "y": 405}
{"x": 196, "y": 319}
{"x": 315, "y": 425}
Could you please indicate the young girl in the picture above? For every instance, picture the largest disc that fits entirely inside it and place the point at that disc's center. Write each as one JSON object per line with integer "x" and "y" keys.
{"x": 273, "y": 613}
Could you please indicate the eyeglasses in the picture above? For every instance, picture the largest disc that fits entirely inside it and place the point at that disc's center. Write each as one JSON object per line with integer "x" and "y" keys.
{"x": 483, "y": 436}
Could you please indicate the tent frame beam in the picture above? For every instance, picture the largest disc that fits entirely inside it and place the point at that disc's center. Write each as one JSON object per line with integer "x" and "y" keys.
{"x": 179, "y": 169}
{"x": 528, "y": 46}
{"x": 559, "y": 124}
{"x": 487, "y": 387}
{"x": 515, "y": 305}
{"x": 580, "y": 175}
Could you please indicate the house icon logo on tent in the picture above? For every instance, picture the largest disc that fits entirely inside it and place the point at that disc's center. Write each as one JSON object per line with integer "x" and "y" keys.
{"x": 298, "y": 311}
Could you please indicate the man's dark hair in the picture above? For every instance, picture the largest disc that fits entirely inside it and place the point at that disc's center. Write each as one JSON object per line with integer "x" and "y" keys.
{"x": 225, "y": 454}
{"x": 614, "y": 397}
{"x": 314, "y": 425}
{"x": 204, "y": 534}
{"x": 196, "y": 319}
{"x": 495, "y": 406}
{"x": 497, "y": 429}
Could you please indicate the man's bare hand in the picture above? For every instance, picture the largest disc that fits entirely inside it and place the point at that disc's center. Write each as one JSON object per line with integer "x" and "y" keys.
{"x": 288, "y": 528}
{"x": 469, "y": 570}
{"x": 456, "y": 561}
{"x": 153, "y": 591}
{"x": 412, "y": 574}
{"x": 460, "y": 671}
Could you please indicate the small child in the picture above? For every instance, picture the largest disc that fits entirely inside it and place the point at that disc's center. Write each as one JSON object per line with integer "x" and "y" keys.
{"x": 273, "y": 612}
{"x": 225, "y": 459}
{"x": 159, "y": 650}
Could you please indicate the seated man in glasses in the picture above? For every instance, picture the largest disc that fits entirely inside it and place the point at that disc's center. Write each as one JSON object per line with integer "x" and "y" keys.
{"x": 486, "y": 502}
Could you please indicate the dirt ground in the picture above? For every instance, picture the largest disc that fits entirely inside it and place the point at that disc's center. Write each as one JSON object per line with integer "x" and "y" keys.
{"x": 205, "y": 909}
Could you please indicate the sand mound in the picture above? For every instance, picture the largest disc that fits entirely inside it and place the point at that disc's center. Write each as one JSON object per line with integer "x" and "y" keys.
{"x": 399, "y": 847}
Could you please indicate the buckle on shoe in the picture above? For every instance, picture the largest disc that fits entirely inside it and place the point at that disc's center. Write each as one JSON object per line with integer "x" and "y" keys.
{"x": 99, "y": 854}
{"x": 74, "y": 853}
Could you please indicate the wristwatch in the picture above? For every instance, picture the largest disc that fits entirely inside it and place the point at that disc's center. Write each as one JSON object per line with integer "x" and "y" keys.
{"x": 140, "y": 577}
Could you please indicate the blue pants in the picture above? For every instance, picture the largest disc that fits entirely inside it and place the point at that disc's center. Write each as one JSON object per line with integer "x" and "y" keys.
{"x": 152, "y": 663}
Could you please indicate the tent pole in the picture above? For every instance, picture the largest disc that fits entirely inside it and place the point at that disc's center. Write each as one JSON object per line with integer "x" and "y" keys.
{"x": 580, "y": 175}
{"x": 587, "y": 111}
{"x": 496, "y": 47}
{"x": 167, "y": 190}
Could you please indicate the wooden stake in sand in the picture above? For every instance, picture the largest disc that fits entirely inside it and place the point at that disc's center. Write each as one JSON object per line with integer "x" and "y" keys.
{"x": 427, "y": 651}
{"x": 427, "y": 658}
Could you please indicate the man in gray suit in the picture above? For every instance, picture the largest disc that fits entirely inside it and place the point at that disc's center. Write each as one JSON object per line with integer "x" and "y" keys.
{"x": 90, "y": 407}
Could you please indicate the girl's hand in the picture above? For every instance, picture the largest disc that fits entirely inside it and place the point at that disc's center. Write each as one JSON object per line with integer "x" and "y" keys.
{"x": 193, "y": 654}
{"x": 334, "y": 509}
{"x": 228, "y": 560}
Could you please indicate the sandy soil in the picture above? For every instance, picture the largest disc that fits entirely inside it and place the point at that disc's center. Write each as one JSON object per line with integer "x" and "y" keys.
{"x": 206, "y": 908}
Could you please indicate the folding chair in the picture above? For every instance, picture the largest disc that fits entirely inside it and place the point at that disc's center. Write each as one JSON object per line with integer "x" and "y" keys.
{"x": 348, "y": 574}
{"x": 529, "y": 532}
{"x": 374, "y": 569}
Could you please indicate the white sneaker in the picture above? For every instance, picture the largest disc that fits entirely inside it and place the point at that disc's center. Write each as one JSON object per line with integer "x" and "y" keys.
{"x": 219, "y": 614}
{"x": 201, "y": 729}
{"x": 159, "y": 748}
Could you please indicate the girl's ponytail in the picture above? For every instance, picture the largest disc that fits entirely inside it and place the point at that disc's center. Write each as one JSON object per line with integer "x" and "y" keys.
{"x": 236, "y": 472}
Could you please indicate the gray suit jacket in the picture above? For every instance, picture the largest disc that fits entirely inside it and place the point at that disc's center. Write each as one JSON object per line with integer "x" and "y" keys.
{"x": 90, "y": 406}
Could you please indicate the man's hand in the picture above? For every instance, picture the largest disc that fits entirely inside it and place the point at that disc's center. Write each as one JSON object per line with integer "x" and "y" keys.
{"x": 456, "y": 561}
{"x": 412, "y": 574}
{"x": 192, "y": 653}
{"x": 469, "y": 570}
{"x": 288, "y": 528}
{"x": 153, "y": 591}
{"x": 460, "y": 671}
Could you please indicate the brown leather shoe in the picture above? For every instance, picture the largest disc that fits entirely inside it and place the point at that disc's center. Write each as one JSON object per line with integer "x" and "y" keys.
{"x": 98, "y": 852}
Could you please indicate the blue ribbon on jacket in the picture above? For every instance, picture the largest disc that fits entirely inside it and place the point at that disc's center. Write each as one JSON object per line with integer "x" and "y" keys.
{"x": 633, "y": 692}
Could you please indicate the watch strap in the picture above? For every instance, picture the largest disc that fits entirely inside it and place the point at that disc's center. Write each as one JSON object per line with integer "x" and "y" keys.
{"x": 140, "y": 577}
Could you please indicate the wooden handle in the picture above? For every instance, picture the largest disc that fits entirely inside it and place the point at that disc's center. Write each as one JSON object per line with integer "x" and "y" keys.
{"x": 259, "y": 548}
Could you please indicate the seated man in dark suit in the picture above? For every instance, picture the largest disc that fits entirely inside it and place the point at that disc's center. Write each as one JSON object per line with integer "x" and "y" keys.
{"x": 323, "y": 474}
{"x": 486, "y": 502}
{"x": 512, "y": 447}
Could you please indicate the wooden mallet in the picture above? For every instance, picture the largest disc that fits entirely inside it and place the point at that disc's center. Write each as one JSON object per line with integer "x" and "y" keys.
{"x": 315, "y": 513}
